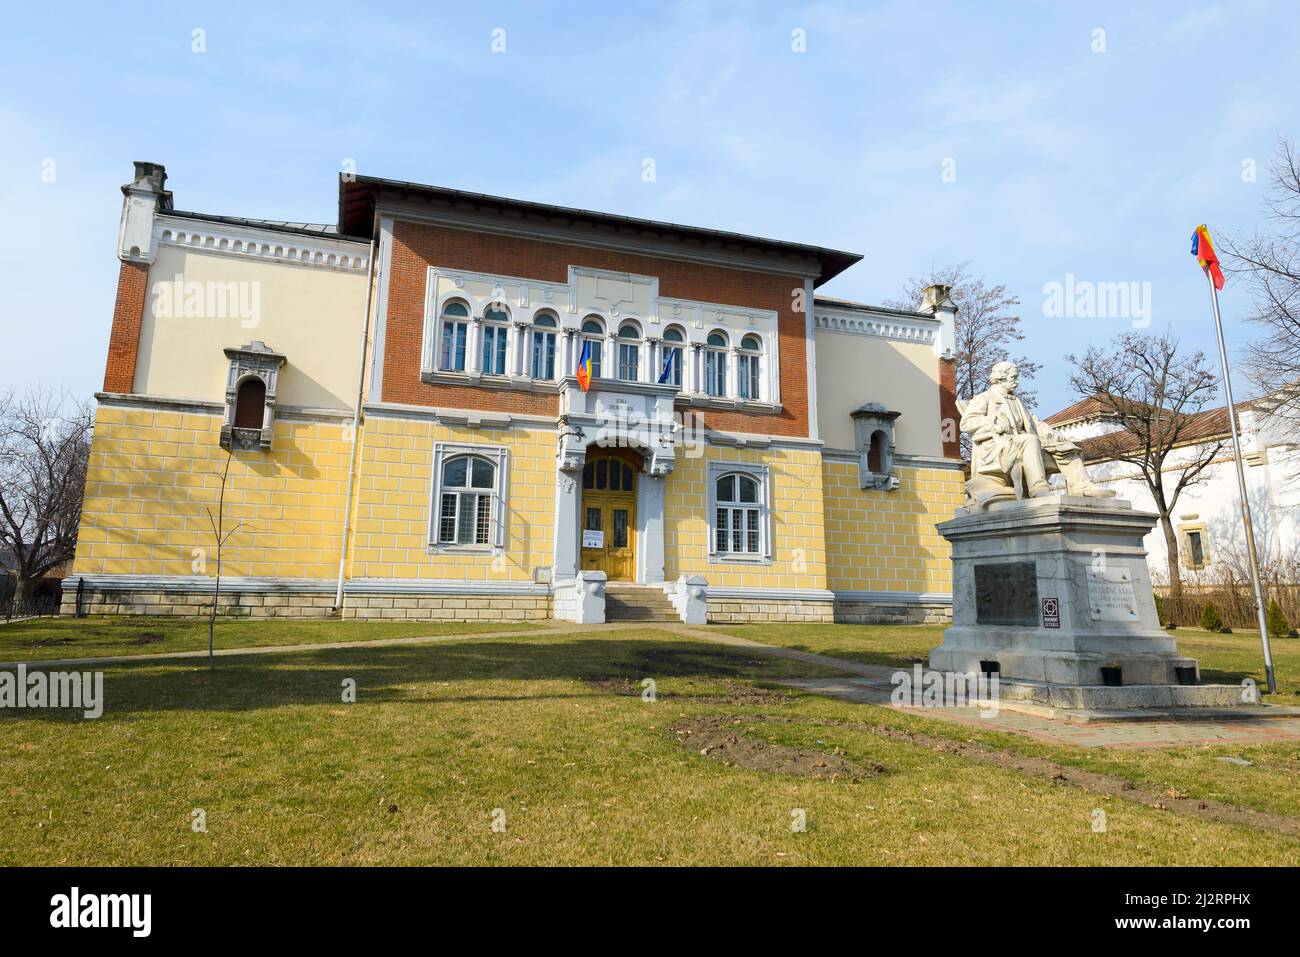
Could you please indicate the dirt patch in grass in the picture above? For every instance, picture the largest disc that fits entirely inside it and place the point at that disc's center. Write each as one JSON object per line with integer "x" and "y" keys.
{"x": 723, "y": 739}
{"x": 737, "y": 692}
{"x": 1176, "y": 802}
{"x": 46, "y": 642}
{"x": 149, "y": 638}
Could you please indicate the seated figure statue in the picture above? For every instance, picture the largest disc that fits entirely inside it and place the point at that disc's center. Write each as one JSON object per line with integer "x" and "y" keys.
{"x": 1005, "y": 434}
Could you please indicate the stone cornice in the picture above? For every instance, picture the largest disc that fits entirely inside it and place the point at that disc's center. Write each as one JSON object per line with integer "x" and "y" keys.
{"x": 230, "y": 239}
{"x": 880, "y": 325}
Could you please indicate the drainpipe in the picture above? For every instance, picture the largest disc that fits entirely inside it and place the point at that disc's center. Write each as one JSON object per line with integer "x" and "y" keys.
{"x": 356, "y": 416}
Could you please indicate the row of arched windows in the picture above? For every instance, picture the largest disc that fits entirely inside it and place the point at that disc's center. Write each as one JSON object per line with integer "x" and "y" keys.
{"x": 630, "y": 362}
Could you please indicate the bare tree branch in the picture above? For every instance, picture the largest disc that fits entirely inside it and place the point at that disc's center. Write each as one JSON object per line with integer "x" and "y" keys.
{"x": 1151, "y": 394}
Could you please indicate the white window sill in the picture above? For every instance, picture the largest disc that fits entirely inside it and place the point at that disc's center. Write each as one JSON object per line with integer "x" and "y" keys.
{"x": 440, "y": 548}
{"x": 736, "y": 558}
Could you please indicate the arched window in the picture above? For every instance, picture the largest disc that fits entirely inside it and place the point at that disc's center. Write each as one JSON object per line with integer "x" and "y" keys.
{"x": 629, "y": 352}
{"x": 593, "y": 332}
{"x": 715, "y": 364}
{"x": 672, "y": 358}
{"x": 738, "y": 502}
{"x": 454, "y": 336}
{"x": 496, "y": 333}
{"x": 876, "y": 453}
{"x": 465, "y": 511}
{"x": 543, "y": 364}
{"x": 250, "y": 403}
{"x": 751, "y": 347}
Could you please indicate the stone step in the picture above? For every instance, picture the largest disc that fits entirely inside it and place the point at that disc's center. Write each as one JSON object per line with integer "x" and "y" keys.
{"x": 638, "y": 603}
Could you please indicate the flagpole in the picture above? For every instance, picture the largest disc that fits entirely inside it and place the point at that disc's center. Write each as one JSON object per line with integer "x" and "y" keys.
{"x": 1241, "y": 489}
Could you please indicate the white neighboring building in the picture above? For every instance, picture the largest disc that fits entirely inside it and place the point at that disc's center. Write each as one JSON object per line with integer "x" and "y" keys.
{"x": 1206, "y": 517}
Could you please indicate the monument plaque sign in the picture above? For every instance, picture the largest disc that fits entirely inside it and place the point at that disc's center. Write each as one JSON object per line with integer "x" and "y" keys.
{"x": 1006, "y": 593}
{"x": 1110, "y": 595}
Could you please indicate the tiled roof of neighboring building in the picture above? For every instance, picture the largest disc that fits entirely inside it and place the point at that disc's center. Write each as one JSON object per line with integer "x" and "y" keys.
{"x": 1206, "y": 426}
{"x": 1092, "y": 407}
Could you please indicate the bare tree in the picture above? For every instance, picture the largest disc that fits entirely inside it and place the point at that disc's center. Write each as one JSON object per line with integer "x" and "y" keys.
{"x": 1269, "y": 263}
{"x": 44, "y": 450}
{"x": 219, "y": 537}
{"x": 987, "y": 328}
{"x": 1153, "y": 393}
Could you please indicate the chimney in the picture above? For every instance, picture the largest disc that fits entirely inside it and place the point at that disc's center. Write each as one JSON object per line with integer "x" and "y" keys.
{"x": 143, "y": 198}
{"x": 937, "y": 301}
{"x": 933, "y": 296}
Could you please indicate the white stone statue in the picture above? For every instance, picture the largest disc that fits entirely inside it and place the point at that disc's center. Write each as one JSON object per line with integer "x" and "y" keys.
{"x": 1005, "y": 434}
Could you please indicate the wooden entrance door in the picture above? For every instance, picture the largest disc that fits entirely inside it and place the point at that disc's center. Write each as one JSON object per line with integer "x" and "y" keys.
{"x": 609, "y": 513}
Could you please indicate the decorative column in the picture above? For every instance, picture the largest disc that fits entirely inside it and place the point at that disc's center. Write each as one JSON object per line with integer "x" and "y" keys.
{"x": 566, "y": 358}
{"x": 650, "y": 530}
{"x": 691, "y": 374}
{"x": 521, "y": 364}
{"x": 654, "y": 365}
{"x": 474, "y": 347}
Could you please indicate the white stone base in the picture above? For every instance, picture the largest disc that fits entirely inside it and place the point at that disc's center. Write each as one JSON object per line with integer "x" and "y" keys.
{"x": 1127, "y": 697}
{"x": 1053, "y": 590}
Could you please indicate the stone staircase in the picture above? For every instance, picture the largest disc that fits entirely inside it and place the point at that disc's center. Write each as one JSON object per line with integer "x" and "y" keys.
{"x": 625, "y": 602}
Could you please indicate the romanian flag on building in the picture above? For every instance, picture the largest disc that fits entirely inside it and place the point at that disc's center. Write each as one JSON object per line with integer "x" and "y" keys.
{"x": 1204, "y": 252}
{"x": 584, "y": 366}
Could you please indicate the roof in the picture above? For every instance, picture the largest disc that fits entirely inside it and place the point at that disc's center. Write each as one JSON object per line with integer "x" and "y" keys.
{"x": 1094, "y": 407}
{"x": 277, "y": 225}
{"x": 1205, "y": 426}
{"x": 888, "y": 310}
{"x": 359, "y": 195}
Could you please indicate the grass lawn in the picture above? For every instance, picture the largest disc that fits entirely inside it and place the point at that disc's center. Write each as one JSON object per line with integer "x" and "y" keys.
{"x": 549, "y": 732}
{"x": 45, "y": 638}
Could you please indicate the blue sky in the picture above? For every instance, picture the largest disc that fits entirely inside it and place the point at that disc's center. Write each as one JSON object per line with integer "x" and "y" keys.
{"x": 1066, "y": 160}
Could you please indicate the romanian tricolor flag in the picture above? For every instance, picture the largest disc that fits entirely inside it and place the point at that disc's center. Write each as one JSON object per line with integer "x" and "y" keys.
{"x": 1204, "y": 252}
{"x": 584, "y": 366}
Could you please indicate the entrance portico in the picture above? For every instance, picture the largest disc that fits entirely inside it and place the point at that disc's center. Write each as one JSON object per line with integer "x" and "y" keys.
{"x": 610, "y": 517}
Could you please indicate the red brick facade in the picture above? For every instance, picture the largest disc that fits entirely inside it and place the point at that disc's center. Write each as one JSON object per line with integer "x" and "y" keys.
{"x": 949, "y": 417}
{"x": 417, "y": 246}
{"x": 124, "y": 338}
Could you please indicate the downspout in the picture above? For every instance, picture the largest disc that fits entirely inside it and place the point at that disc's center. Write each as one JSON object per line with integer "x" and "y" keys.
{"x": 356, "y": 417}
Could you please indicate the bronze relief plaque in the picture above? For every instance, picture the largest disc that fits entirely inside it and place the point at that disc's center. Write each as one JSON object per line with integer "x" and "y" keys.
{"x": 1006, "y": 594}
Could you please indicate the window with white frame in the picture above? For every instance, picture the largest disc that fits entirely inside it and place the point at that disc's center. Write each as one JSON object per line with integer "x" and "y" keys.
{"x": 751, "y": 349}
{"x": 496, "y": 335}
{"x": 738, "y": 507}
{"x": 593, "y": 332}
{"x": 468, "y": 496}
{"x": 453, "y": 336}
{"x": 715, "y": 364}
{"x": 673, "y": 339}
{"x": 629, "y": 352}
{"x": 543, "y": 363}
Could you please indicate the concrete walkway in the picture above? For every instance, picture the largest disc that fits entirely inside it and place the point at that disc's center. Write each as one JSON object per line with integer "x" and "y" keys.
{"x": 870, "y": 684}
{"x": 873, "y": 686}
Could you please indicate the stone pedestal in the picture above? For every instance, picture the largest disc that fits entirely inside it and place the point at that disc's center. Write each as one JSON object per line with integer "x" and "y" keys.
{"x": 1051, "y": 591}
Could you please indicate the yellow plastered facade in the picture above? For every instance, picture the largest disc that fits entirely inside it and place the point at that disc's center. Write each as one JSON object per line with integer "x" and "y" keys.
{"x": 798, "y": 558}
{"x": 154, "y": 476}
{"x": 886, "y": 541}
{"x": 394, "y": 498}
